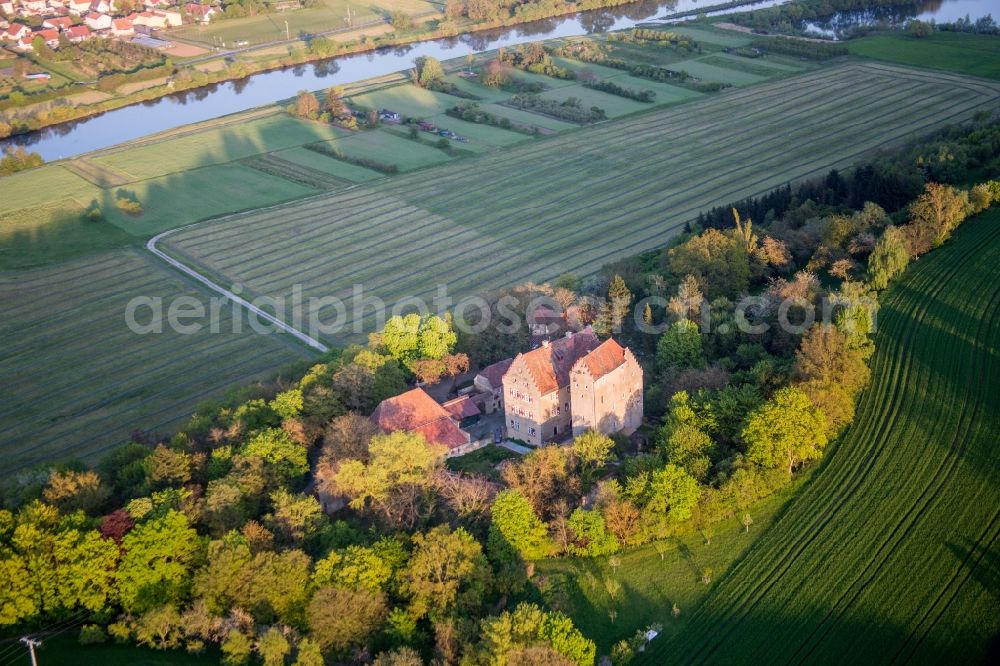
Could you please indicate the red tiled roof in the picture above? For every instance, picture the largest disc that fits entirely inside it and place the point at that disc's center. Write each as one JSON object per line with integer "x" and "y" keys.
{"x": 549, "y": 365}
{"x": 415, "y": 411}
{"x": 49, "y": 34}
{"x": 78, "y": 31}
{"x": 461, "y": 408}
{"x": 599, "y": 362}
{"x": 443, "y": 431}
{"x": 494, "y": 373}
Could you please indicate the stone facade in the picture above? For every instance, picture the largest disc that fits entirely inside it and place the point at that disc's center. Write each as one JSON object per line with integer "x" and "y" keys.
{"x": 606, "y": 391}
{"x": 541, "y": 402}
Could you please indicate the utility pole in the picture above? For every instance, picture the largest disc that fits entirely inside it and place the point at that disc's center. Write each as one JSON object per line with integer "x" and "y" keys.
{"x": 286, "y": 31}
{"x": 32, "y": 644}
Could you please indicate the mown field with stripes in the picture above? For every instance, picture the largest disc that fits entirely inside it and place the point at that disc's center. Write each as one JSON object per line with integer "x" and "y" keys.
{"x": 577, "y": 200}
{"x": 78, "y": 381}
{"x": 892, "y": 553}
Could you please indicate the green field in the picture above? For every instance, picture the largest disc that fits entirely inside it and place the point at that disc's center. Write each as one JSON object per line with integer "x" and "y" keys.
{"x": 893, "y": 548}
{"x": 324, "y": 16}
{"x": 78, "y": 381}
{"x": 577, "y": 200}
{"x": 975, "y": 55}
{"x": 651, "y": 583}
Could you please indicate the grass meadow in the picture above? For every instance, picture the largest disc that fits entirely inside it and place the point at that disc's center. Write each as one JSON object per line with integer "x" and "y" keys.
{"x": 577, "y": 200}
{"x": 975, "y": 55}
{"x": 78, "y": 381}
{"x": 653, "y": 578}
{"x": 893, "y": 549}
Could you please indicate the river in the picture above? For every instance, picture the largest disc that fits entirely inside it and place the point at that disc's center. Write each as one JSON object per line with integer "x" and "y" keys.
{"x": 131, "y": 122}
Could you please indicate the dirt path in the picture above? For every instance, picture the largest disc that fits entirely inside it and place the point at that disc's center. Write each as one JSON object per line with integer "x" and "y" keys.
{"x": 233, "y": 298}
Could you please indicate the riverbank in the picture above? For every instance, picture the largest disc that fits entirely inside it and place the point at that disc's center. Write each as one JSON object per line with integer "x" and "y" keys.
{"x": 240, "y": 64}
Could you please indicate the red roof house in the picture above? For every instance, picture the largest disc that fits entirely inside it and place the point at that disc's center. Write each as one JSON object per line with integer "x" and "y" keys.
{"x": 417, "y": 412}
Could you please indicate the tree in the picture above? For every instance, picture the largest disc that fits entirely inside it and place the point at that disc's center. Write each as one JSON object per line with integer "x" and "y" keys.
{"x": 514, "y": 522}
{"x": 889, "y": 258}
{"x": 237, "y": 648}
{"x": 354, "y": 568}
{"x": 594, "y": 449}
{"x": 343, "y": 619}
{"x": 306, "y": 105}
{"x": 935, "y": 214}
{"x": 688, "y": 446}
{"x": 590, "y": 535}
{"x": 347, "y": 436}
{"x": 614, "y": 311}
{"x": 401, "y": 466}
{"x": 285, "y": 458}
{"x": 544, "y": 477}
{"x": 667, "y": 496}
{"x": 527, "y": 627}
{"x": 272, "y": 646}
{"x": 830, "y": 372}
{"x": 404, "y": 656}
{"x": 716, "y": 261}
{"x": 447, "y": 572}
{"x": 429, "y": 71}
{"x": 687, "y": 303}
{"x": 680, "y": 346}
{"x": 156, "y": 566}
{"x": 785, "y": 431}
{"x": 919, "y": 29}
{"x": 309, "y": 653}
{"x": 71, "y": 491}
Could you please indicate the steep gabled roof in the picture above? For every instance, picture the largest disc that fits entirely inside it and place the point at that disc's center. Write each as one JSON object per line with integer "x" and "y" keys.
{"x": 415, "y": 411}
{"x": 494, "y": 373}
{"x": 550, "y": 364}
{"x": 461, "y": 408}
{"x": 602, "y": 360}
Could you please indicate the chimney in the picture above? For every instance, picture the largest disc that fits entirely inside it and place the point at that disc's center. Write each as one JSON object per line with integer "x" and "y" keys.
{"x": 545, "y": 343}
{"x": 569, "y": 334}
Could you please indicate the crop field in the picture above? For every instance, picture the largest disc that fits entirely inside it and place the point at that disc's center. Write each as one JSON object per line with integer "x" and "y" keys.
{"x": 576, "y": 200}
{"x": 78, "y": 380}
{"x": 894, "y": 548}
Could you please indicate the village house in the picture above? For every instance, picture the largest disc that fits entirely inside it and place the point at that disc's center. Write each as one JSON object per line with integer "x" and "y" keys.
{"x": 102, "y": 6}
{"x": 156, "y": 20}
{"x": 417, "y": 412}
{"x": 58, "y": 22}
{"x": 7, "y": 7}
{"x": 122, "y": 28}
{"x": 540, "y": 402}
{"x": 96, "y": 21}
{"x": 50, "y": 36}
{"x": 15, "y": 32}
{"x": 77, "y": 33}
{"x": 79, "y": 7}
{"x": 32, "y": 7}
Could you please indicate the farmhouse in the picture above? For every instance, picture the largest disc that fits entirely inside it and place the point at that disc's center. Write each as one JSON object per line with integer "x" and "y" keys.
{"x": 569, "y": 385}
{"x": 415, "y": 411}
